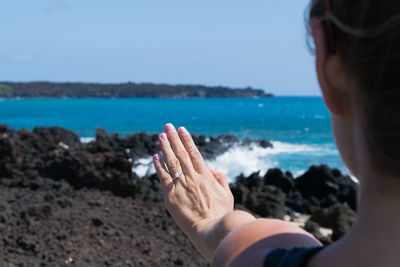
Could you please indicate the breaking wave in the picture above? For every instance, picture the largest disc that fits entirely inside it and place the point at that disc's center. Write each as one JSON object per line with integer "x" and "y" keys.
{"x": 296, "y": 158}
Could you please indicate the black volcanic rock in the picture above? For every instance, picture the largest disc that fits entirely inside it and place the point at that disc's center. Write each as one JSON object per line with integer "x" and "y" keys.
{"x": 142, "y": 144}
{"x": 269, "y": 202}
{"x": 214, "y": 146}
{"x": 148, "y": 90}
{"x": 322, "y": 182}
{"x": 239, "y": 192}
{"x": 228, "y": 139}
{"x": 314, "y": 229}
{"x": 339, "y": 217}
{"x": 105, "y": 163}
{"x": 64, "y": 201}
{"x": 56, "y": 225}
{"x": 318, "y": 182}
{"x": 304, "y": 193}
{"x": 57, "y": 135}
{"x": 279, "y": 179}
{"x": 251, "y": 182}
{"x": 105, "y": 171}
{"x": 259, "y": 142}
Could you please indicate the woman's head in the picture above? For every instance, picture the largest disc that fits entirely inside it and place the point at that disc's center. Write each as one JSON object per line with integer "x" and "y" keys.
{"x": 365, "y": 35}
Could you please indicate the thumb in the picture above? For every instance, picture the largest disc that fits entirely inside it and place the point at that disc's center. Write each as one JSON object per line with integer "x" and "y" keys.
{"x": 221, "y": 178}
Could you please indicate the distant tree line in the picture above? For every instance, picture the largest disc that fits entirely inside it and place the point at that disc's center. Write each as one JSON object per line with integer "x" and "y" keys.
{"x": 123, "y": 90}
{"x": 5, "y": 90}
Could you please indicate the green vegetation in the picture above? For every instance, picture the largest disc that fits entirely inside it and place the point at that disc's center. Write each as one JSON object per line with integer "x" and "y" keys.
{"x": 5, "y": 89}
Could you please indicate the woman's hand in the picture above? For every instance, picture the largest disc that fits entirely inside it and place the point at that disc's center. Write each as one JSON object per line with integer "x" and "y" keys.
{"x": 200, "y": 197}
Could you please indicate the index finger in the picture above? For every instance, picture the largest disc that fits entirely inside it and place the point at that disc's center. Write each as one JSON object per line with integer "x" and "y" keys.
{"x": 194, "y": 153}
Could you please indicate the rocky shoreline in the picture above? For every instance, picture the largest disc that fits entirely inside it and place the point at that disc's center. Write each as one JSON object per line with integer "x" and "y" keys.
{"x": 64, "y": 203}
{"x": 122, "y": 90}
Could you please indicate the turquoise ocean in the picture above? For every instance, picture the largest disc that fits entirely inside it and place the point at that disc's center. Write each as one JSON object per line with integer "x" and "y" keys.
{"x": 298, "y": 127}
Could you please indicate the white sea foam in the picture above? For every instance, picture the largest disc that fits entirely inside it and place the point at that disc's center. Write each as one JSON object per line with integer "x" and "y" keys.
{"x": 354, "y": 179}
{"x": 251, "y": 158}
{"x": 243, "y": 159}
{"x": 314, "y": 149}
{"x": 86, "y": 140}
{"x": 143, "y": 167}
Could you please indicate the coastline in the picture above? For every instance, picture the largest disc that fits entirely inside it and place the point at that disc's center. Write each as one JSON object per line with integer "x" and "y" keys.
{"x": 299, "y": 128}
{"x": 63, "y": 199}
{"x": 45, "y": 89}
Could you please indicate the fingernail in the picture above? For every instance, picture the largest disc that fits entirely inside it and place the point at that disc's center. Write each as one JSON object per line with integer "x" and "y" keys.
{"x": 169, "y": 127}
{"x": 163, "y": 137}
{"x": 156, "y": 157}
{"x": 182, "y": 130}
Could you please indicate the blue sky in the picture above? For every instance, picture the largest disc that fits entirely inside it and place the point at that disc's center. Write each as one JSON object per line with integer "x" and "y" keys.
{"x": 233, "y": 43}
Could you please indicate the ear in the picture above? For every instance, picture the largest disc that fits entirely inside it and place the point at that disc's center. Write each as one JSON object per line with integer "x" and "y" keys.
{"x": 330, "y": 94}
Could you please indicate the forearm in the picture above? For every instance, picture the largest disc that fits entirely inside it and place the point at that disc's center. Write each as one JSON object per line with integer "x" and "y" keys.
{"x": 212, "y": 237}
{"x": 230, "y": 222}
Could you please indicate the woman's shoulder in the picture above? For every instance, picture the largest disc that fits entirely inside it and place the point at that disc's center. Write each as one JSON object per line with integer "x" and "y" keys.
{"x": 251, "y": 243}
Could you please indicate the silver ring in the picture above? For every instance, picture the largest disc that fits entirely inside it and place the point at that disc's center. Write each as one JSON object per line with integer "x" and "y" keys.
{"x": 177, "y": 175}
